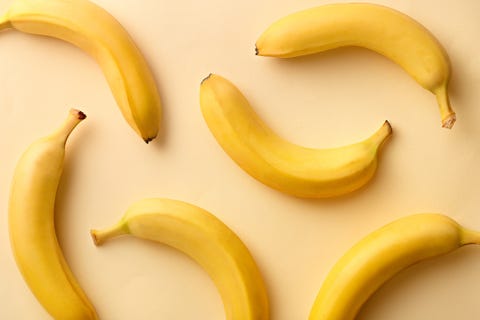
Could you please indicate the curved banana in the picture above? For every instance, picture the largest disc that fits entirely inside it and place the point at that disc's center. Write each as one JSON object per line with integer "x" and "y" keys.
{"x": 208, "y": 241}
{"x": 292, "y": 169}
{"x": 378, "y": 28}
{"x": 95, "y": 31}
{"x": 32, "y": 230}
{"x": 381, "y": 255}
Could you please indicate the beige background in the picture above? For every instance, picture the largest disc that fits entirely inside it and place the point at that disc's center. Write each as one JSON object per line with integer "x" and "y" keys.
{"x": 320, "y": 101}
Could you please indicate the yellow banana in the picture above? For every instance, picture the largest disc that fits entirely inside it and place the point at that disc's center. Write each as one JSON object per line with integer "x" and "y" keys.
{"x": 95, "y": 31}
{"x": 32, "y": 230}
{"x": 378, "y": 28}
{"x": 208, "y": 241}
{"x": 381, "y": 255}
{"x": 292, "y": 169}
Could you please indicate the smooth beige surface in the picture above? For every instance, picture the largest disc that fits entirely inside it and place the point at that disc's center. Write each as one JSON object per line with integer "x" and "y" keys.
{"x": 320, "y": 101}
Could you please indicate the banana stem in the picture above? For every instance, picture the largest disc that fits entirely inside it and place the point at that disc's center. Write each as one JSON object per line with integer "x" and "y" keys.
{"x": 446, "y": 111}
{"x": 100, "y": 236}
{"x": 379, "y": 137}
{"x": 470, "y": 237}
{"x": 74, "y": 118}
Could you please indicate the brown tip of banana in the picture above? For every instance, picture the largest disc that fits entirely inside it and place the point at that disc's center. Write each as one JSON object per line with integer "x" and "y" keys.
{"x": 449, "y": 121}
{"x": 256, "y": 50}
{"x": 382, "y": 134}
{"x": 206, "y": 78}
{"x": 147, "y": 140}
{"x": 78, "y": 114}
{"x": 389, "y": 126}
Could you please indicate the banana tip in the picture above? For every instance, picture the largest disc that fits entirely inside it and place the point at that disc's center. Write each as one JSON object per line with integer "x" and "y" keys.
{"x": 147, "y": 139}
{"x": 389, "y": 126}
{"x": 96, "y": 240}
{"x": 78, "y": 114}
{"x": 206, "y": 78}
{"x": 449, "y": 121}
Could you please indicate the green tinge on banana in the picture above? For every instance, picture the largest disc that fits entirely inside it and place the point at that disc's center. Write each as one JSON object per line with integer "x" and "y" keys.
{"x": 292, "y": 169}
{"x": 207, "y": 240}
{"x": 375, "y": 27}
{"x": 32, "y": 231}
{"x": 94, "y": 30}
{"x": 381, "y": 255}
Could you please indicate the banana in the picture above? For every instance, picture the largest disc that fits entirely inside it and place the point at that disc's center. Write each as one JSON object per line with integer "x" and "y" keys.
{"x": 378, "y": 28}
{"x": 95, "y": 31}
{"x": 32, "y": 230}
{"x": 383, "y": 254}
{"x": 208, "y": 241}
{"x": 292, "y": 169}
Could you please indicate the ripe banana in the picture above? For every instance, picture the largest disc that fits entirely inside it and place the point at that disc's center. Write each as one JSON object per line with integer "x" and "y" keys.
{"x": 208, "y": 241}
{"x": 292, "y": 169}
{"x": 32, "y": 230}
{"x": 95, "y": 31}
{"x": 381, "y": 255}
{"x": 378, "y": 28}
